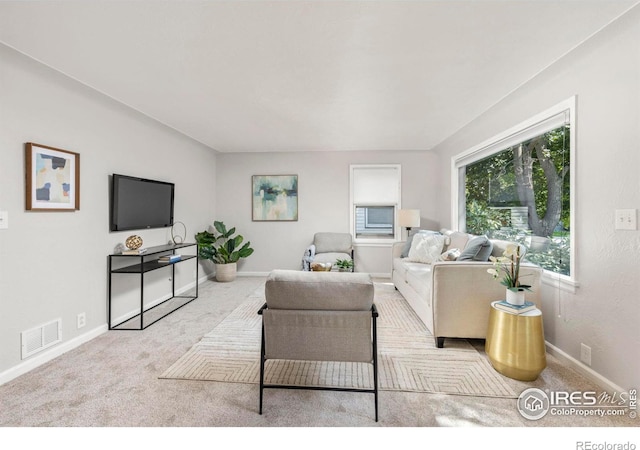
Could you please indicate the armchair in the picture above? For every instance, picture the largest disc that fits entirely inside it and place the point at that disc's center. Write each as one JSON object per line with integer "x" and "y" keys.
{"x": 328, "y": 248}
{"x": 319, "y": 316}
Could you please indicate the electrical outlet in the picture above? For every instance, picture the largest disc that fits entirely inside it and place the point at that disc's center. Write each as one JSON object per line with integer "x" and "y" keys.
{"x": 626, "y": 219}
{"x": 81, "y": 320}
{"x": 585, "y": 354}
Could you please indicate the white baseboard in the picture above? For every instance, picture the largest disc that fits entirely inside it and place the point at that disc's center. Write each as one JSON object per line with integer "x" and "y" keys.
{"x": 48, "y": 355}
{"x": 583, "y": 369}
{"x": 71, "y": 344}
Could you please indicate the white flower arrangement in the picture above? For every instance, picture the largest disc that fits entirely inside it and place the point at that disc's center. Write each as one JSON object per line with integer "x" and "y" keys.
{"x": 509, "y": 263}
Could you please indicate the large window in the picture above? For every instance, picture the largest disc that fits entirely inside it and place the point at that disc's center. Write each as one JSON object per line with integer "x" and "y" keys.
{"x": 518, "y": 186}
{"x": 375, "y": 200}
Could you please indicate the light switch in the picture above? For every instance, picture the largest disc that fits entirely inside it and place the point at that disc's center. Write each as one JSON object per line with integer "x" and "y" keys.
{"x": 4, "y": 219}
{"x": 626, "y": 219}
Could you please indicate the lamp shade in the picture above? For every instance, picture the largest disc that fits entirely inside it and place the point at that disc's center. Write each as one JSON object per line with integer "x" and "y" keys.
{"x": 409, "y": 218}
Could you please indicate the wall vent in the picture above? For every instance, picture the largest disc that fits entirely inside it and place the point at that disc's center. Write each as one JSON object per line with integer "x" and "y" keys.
{"x": 37, "y": 339}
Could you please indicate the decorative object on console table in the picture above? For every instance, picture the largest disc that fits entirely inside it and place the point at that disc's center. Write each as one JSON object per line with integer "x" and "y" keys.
{"x": 52, "y": 178}
{"x": 504, "y": 305}
{"x": 515, "y": 343}
{"x": 133, "y": 242}
{"x": 223, "y": 248}
{"x": 409, "y": 218}
{"x": 169, "y": 259}
{"x": 177, "y": 238}
{"x": 509, "y": 263}
{"x": 136, "y": 251}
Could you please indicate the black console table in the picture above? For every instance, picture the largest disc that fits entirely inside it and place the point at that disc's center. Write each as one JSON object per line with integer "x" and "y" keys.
{"x": 147, "y": 262}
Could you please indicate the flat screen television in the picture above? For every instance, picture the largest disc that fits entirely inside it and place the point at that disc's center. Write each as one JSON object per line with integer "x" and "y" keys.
{"x": 138, "y": 203}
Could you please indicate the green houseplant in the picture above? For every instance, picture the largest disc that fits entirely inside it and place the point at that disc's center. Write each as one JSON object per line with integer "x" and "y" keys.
{"x": 224, "y": 249}
{"x": 509, "y": 265}
{"x": 344, "y": 265}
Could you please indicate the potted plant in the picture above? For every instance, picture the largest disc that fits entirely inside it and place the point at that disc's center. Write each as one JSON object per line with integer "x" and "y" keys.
{"x": 509, "y": 264}
{"x": 344, "y": 265}
{"x": 224, "y": 249}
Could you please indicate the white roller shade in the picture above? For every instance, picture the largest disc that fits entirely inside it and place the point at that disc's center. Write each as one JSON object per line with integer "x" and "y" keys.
{"x": 376, "y": 185}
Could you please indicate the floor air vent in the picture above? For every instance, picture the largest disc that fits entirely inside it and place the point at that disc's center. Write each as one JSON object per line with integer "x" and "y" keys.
{"x": 40, "y": 338}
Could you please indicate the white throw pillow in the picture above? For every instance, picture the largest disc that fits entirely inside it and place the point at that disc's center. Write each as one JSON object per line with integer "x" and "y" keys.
{"x": 426, "y": 248}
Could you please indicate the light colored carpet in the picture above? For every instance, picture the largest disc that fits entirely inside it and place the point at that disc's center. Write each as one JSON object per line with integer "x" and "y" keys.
{"x": 407, "y": 356}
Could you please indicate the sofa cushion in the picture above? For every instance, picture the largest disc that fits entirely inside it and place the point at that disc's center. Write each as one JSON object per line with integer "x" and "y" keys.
{"x": 419, "y": 278}
{"x": 426, "y": 248}
{"x": 457, "y": 239}
{"x": 477, "y": 249}
{"x": 409, "y": 241}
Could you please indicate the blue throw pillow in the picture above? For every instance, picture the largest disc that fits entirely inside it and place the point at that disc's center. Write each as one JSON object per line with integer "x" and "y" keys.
{"x": 478, "y": 248}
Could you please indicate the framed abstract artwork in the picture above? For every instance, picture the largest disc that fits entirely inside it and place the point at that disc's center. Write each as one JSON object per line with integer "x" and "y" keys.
{"x": 274, "y": 197}
{"x": 52, "y": 178}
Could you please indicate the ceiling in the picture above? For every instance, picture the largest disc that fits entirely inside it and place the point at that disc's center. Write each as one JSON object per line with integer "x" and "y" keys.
{"x": 256, "y": 76}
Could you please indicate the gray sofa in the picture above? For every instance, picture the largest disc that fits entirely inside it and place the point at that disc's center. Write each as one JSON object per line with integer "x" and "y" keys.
{"x": 453, "y": 298}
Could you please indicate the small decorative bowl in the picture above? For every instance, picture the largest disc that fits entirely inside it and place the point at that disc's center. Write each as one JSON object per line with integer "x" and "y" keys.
{"x": 133, "y": 242}
{"x": 321, "y": 267}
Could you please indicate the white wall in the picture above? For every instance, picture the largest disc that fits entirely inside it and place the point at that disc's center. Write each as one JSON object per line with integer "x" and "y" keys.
{"x": 604, "y": 313}
{"x": 54, "y": 265}
{"x": 323, "y": 205}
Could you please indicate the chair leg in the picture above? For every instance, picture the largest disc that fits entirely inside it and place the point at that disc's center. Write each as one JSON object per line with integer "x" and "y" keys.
{"x": 375, "y": 364}
{"x": 375, "y": 396}
{"x": 261, "y": 368}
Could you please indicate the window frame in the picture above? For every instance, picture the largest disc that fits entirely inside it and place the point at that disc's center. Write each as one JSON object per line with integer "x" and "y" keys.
{"x": 527, "y": 129}
{"x": 397, "y": 205}
{"x": 381, "y": 228}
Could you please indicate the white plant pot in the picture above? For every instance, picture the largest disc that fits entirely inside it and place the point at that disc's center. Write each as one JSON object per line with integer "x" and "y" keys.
{"x": 226, "y": 272}
{"x": 515, "y": 297}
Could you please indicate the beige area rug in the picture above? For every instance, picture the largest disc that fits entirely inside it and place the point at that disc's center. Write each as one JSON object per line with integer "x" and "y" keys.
{"x": 408, "y": 359}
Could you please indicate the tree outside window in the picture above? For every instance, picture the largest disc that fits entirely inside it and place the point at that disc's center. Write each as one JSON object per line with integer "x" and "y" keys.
{"x": 522, "y": 193}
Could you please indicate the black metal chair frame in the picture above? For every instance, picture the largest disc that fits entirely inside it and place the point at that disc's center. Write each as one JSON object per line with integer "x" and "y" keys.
{"x": 374, "y": 391}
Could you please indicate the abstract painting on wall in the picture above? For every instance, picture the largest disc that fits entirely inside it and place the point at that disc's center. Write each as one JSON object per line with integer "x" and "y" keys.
{"x": 52, "y": 178}
{"x": 275, "y": 197}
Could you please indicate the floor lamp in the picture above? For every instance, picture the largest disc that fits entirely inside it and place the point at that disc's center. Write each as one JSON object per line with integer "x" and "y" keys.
{"x": 409, "y": 218}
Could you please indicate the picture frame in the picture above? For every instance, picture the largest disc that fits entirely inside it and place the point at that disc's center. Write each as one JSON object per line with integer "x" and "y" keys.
{"x": 274, "y": 198}
{"x": 52, "y": 177}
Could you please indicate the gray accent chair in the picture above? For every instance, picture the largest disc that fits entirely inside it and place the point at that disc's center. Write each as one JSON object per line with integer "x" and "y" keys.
{"x": 319, "y": 316}
{"x": 330, "y": 247}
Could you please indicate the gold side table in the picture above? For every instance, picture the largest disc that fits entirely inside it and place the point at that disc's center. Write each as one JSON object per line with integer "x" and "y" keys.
{"x": 515, "y": 343}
